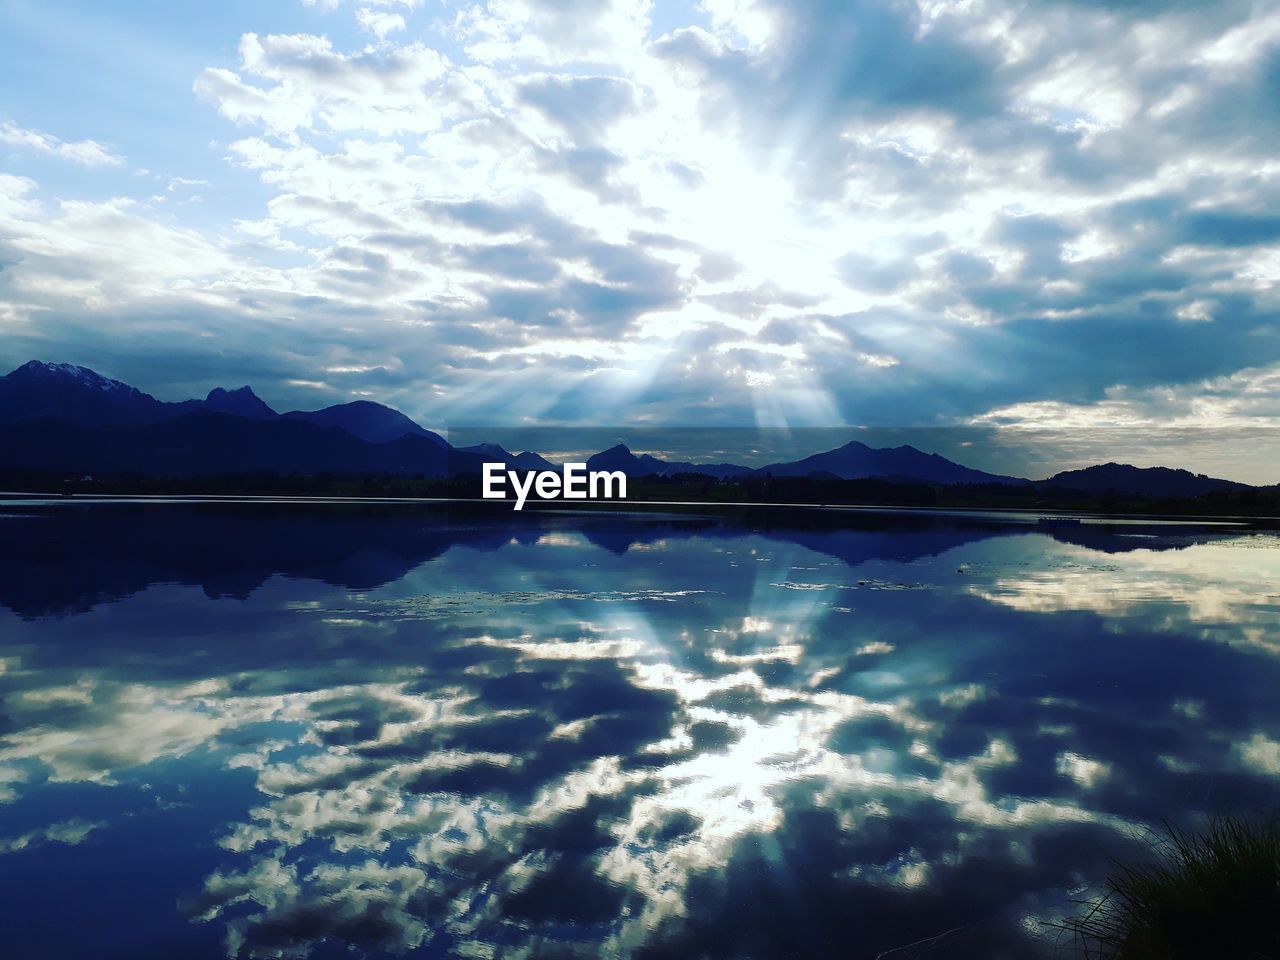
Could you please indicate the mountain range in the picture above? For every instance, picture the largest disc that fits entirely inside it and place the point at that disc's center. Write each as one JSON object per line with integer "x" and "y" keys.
{"x": 63, "y": 418}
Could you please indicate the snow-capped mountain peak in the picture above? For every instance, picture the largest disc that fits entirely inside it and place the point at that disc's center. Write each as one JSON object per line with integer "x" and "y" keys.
{"x": 81, "y": 375}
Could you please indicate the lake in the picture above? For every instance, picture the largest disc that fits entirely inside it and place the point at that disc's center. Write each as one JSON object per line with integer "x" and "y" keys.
{"x": 291, "y": 730}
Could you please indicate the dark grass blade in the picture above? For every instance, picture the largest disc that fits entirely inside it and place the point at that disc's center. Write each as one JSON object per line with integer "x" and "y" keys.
{"x": 1213, "y": 893}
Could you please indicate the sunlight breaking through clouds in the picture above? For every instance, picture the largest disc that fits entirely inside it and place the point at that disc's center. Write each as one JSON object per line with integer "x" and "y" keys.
{"x": 746, "y": 212}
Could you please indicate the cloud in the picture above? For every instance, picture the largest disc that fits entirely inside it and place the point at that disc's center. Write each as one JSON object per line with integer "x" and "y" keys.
{"x": 380, "y": 23}
{"x": 304, "y": 81}
{"x": 583, "y": 107}
{"x": 85, "y": 153}
{"x": 554, "y": 31}
{"x": 69, "y": 832}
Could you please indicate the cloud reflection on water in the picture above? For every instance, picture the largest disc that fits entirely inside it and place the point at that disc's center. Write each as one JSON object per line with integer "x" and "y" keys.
{"x": 554, "y": 745}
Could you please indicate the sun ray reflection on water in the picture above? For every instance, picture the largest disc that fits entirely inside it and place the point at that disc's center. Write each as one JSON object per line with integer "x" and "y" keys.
{"x": 557, "y": 744}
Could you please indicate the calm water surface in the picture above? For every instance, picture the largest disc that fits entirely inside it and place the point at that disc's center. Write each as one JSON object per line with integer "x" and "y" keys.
{"x": 286, "y": 732}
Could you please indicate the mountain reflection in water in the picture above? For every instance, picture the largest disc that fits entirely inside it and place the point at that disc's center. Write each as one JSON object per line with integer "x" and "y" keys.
{"x": 287, "y": 731}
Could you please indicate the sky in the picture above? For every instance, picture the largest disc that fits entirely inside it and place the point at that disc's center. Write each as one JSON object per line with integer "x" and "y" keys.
{"x": 1034, "y": 219}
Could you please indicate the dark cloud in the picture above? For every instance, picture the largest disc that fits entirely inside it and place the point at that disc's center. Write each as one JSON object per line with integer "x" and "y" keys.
{"x": 967, "y": 268}
{"x": 1225, "y": 228}
{"x": 592, "y": 168}
{"x": 515, "y": 261}
{"x": 839, "y": 60}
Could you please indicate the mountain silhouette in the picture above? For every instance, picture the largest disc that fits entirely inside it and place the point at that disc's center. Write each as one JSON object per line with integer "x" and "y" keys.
{"x": 1146, "y": 481}
{"x": 79, "y": 395}
{"x": 495, "y": 453}
{"x": 69, "y": 419}
{"x": 621, "y": 458}
{"x": 241, "y": 402}
{"x": 64, "y": 418}
{"x": 856, "y": 461}
{"x": 205, "y": 444}
{"x": 371, "y": 422}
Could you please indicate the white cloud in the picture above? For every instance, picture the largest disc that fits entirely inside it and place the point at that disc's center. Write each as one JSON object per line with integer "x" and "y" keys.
{"x": 596, "y": 31}
{"x": 380, "y": 23}
{"x": 109, "y": 253}
{"x": 85, "y": 153}
{"x": 308, "y": 83}
{"x": 1261, "y": 754}
{"x": 68, "y": 832}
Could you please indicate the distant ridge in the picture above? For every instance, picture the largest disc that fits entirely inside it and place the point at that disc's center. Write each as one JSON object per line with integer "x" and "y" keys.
{"x": 494, "y": 453}
{"x": 621, "y": 458}
{"x": 857, "y": 461}
{"x": 205, "y": 443}
{"x": 64, "y": 418}
{"x": 371, "y": 422}
{"x": 1148, "y": 481}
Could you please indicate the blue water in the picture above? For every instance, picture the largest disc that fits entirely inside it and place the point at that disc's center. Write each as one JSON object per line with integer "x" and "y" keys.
{"x": 236, "y": 730}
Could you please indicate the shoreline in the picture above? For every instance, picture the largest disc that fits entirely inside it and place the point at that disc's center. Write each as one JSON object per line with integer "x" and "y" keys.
{"x": 714, "y": 508}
